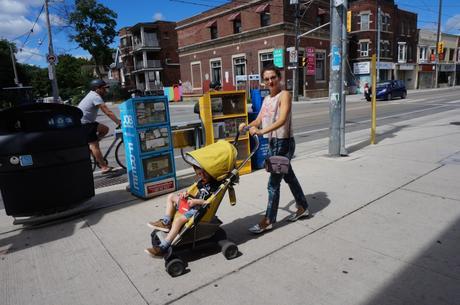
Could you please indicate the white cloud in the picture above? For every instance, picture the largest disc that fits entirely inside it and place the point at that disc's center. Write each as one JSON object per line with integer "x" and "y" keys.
{"x": 158, "y": 16}
{"x": 29, "y": 56}
{"x": 12, "y": 7}
{"x": 12, "y": 26}
{"x": 55, "y": 20}
{"x": 453, "y": 24}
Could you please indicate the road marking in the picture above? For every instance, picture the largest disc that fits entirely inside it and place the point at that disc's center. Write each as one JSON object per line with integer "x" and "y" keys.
{"x": 366, "y": 121}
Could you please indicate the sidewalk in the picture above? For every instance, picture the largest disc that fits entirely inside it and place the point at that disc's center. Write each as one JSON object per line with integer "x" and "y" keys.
{"x": 385, "y": 230}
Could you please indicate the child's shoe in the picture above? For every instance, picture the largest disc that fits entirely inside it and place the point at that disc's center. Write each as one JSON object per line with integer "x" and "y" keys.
{"x": 155, "y": 252}
{"x": 159, "y": 225}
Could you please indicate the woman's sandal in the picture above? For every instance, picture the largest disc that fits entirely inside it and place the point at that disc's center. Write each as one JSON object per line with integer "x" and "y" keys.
{"x": 257, "y": 229}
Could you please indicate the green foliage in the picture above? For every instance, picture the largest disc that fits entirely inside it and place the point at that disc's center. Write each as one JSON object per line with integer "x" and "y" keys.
{"x": 94, "y": 29}
{"x": 117, "y": 94}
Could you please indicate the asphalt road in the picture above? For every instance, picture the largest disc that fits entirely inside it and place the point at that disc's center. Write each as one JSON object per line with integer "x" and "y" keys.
{"x": 311, "y": 118}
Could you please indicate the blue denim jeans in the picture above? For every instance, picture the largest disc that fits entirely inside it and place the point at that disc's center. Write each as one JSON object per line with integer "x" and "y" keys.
{"x": 283, "y": 147}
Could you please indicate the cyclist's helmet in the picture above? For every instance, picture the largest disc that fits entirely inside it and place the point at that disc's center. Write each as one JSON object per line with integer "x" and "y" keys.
{"x": 97, "y": 83}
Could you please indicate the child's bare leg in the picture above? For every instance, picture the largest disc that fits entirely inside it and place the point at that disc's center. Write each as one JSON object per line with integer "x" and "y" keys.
{"x": 175, "y": 228}
{"x": 171, "y": 201}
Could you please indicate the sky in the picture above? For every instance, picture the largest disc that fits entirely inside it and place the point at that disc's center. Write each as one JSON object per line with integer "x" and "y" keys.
{"x": 19, "y": 17}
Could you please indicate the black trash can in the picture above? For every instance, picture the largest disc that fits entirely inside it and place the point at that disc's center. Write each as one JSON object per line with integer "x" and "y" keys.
{"x": 45, "y": 162}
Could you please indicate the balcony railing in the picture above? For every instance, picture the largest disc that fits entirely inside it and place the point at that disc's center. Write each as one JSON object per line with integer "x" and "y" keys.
{"x": 151, "y": 64}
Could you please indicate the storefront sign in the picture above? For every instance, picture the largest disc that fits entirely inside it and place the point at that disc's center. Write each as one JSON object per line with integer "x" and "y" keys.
{"x": 311, "y": 61}
{"x": 406, "y": 66}
{"x": 386, "y": 65}
{"x": 278, "y": 58}
{"x": 362, "y": 67}
{"x": 447, "y": 68}
{"x": 241, "y": 78}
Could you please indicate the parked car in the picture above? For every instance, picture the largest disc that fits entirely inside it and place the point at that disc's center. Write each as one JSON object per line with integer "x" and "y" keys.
{"x": 387, "y": 90}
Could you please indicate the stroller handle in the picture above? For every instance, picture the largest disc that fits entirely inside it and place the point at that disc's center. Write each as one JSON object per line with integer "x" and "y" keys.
{"x": 256, "y": 146}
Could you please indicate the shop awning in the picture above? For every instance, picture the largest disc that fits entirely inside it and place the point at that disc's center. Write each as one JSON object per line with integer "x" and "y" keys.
{"x": 263, "y": 8}
{"x": 211, "y": 23}
{"x": 234, "y": 16}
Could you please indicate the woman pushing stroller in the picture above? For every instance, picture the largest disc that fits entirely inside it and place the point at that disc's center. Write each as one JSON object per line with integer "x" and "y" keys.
{"x": 275, "y": 122}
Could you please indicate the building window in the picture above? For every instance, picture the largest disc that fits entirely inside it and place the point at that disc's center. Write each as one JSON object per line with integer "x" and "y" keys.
{"x": 451, "y": 54}
{"x": 196, "y": 75}
{"x": 385, "y": 48}
{"x": 216, "y": 71}
{"x": 402, "y": 52}
{"x": 363, "y": 48}
{"x": 364, "y": 22}
{"x": 237, "y": 26}
{"x": 320, "y": 70}
{"x": 239, "y": 67}
{"x": 385, "y": 23}
{"x": 423, "y": 54}
{"x": 266, "y": 59}
{"x": 213, "y": 30}
{"x": 264, "y": 19}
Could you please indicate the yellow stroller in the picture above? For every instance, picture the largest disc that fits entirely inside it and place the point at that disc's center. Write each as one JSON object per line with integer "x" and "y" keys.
{"x": 203, "y": 229}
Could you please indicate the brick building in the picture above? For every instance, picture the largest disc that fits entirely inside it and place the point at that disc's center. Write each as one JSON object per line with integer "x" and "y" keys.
{"x": 147, "y": 57}
{"x": 232, "y": 43}
{"x": 398, "y": 41}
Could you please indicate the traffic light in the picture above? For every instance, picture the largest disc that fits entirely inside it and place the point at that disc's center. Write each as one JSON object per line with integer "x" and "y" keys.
{"x": 348, "y": 21}
{"x": 440, "y": 47}
{"x": 304, "y": 61}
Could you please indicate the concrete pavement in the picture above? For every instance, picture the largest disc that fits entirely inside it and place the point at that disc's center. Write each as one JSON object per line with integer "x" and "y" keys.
{"x": 385, "y": 230}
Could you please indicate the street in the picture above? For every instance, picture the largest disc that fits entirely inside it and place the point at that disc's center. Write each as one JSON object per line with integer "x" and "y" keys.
{"x": 311, "y": 118}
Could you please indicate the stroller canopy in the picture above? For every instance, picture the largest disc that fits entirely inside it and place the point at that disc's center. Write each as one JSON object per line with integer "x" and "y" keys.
{"x": 217, "y": 159}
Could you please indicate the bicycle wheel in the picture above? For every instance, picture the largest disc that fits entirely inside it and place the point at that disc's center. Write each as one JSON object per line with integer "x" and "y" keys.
{"x": 120, "y": 154}
{"x": 94, "y": 163}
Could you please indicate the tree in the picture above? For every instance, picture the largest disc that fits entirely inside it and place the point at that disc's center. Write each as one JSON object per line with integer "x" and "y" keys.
{"x": 94, "y": 30}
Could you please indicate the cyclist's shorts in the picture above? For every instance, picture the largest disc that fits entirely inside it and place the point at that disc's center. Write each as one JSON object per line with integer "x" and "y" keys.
{"x": 91, "y": 131}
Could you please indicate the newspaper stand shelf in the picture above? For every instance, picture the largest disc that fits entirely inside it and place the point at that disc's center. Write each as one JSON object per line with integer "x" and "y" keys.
{"x": 148, "y": 146}
{"x": 222, "y": 112}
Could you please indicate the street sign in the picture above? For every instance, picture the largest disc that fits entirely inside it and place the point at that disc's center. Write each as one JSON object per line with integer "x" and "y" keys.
{"x": 336, "y": 58}
{"x": 293, "y": 58}
{"x": 51, "y": 58}
{"x": 311, "y": 61}
{"x": 278, "y": 58}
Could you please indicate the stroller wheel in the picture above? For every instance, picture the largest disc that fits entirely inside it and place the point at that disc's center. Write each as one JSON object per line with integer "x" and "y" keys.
{"x": 175, "y": 267}
{"x": 229, "y": 249}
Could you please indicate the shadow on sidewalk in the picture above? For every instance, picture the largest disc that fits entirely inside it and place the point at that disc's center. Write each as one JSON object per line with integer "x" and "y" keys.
{"x": 237, "y": 230}
{"x": 433, "y": 277}
{"x": 379, "y": 137}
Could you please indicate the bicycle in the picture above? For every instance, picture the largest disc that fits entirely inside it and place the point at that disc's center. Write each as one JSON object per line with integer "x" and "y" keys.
{"x": 119, "y": 151}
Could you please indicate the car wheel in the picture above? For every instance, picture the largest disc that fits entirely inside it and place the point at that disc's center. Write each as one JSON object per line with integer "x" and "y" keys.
{"x": 389, "y": 97}
{"x": 404, "y": 94}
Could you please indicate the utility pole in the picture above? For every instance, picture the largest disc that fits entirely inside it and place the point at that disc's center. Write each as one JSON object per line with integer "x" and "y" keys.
{"x": 51, "y": 59}
{"x": 343, "y": 149}
{"x": 438, "y": 34}
{"x": 379, "y": 29}
{"x": 295, "y": 72}
{"x": 13, "y": 61}
{"x": 335, "y": 77}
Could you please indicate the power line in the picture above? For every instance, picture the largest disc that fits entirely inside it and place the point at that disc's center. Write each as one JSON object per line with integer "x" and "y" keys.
{"x": 32, "y": 29}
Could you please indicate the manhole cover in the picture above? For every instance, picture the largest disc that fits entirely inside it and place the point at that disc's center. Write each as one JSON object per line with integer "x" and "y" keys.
{"x": 455, "y": 123}
{"x": 114, "y": 178}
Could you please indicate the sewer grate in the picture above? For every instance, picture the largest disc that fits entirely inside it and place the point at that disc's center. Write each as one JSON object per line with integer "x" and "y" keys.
{"x": 114, "y": 178}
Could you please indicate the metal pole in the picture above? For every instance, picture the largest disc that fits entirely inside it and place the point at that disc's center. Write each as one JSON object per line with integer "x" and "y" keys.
{"x": 13, "y": 61}
{"x": 343, "y": 150}
{"x": 335, "y": 80}
{"x": 438, "y": 34}
{"x": 295, "y": 75}
{"x": 379, "y": 28}
{"x": 52, "y": 63}
{"x": 374, "y": 101}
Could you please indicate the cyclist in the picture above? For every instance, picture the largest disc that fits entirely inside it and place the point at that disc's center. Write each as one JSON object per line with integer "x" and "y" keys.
{"x": 90, "y": 106}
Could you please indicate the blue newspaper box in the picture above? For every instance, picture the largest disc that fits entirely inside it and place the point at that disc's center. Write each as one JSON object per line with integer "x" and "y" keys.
{"x": 148, "y": 144}
{"x": 257, "y": 98}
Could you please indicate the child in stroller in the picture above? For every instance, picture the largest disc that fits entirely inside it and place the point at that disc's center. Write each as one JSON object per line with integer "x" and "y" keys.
{"x": 216, "y": 166}
{"x": 187, "y": 206}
